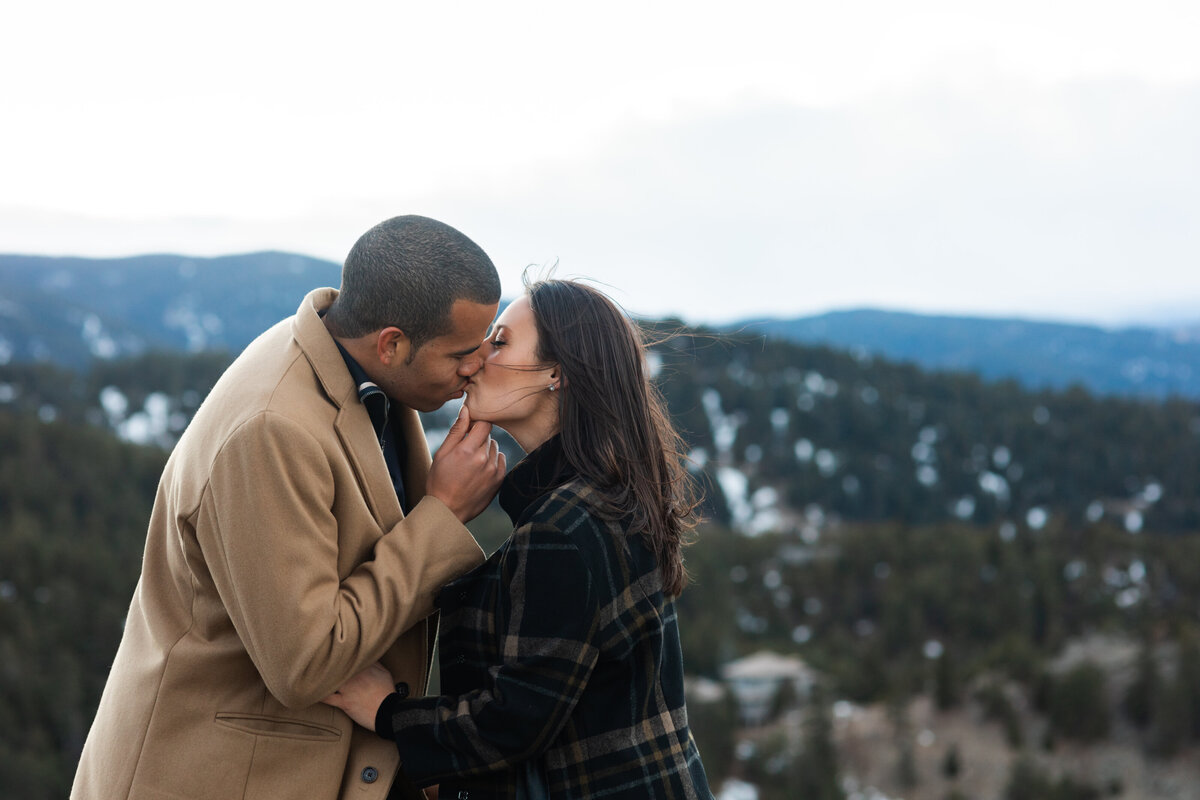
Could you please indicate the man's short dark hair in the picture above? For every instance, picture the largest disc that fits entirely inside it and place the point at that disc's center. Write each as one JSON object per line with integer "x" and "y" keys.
{"x": 407, "y": 272}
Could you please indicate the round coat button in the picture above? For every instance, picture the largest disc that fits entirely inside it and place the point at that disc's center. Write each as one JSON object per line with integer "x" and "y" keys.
{"x": 370, "y": 774}
{"x": 402, "y": 689}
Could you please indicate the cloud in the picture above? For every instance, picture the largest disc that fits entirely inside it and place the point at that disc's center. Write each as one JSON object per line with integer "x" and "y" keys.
{"x": 1076, "y": 202}
{"x": 962, "y": 185}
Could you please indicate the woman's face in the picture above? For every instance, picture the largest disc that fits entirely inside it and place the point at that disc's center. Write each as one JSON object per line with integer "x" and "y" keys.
{"x": 512, "y": 386}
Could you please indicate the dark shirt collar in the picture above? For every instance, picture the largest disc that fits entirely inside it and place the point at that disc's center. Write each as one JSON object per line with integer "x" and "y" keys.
{"x": 379, "y": 407}
{"x": 544, "y": 469}
{"x": 369, "y": 393}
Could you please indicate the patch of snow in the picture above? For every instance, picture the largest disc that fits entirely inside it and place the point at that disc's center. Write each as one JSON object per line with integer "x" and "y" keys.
{"x": 1036, "y": 518}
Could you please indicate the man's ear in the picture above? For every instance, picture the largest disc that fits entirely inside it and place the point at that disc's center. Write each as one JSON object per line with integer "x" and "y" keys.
{"x": 392, "y": 346}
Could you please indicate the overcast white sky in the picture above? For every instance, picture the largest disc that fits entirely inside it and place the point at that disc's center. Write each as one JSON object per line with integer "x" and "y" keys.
{"x": 714, "y": 161}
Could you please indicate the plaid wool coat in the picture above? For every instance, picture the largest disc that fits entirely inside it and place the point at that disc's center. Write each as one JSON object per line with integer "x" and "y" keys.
{"x": 562, "y": 649}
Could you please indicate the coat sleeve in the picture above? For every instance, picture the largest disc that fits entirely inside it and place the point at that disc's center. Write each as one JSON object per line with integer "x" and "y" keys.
{"x": 271, "y": 546}
{"x": 547, "y": 633}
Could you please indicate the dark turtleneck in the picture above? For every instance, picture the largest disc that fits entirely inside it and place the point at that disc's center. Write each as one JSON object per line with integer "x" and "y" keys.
{"x": 542, "y": 470}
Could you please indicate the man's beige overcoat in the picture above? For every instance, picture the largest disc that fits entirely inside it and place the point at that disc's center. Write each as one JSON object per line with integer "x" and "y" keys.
{"x": 278, "y": 563}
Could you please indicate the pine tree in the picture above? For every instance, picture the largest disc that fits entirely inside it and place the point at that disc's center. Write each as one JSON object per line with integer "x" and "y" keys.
{"x": 1079, "y": 705}
{"x": 1188, "y": 677}
{"x": 1139, "y": 697}
{"x": 952, "y": 763}
{"x": 816, "y": 773}
{"x": 946, "y": 682}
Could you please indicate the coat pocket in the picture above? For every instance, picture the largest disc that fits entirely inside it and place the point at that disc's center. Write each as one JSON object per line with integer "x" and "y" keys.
{"x": 262, "y": 725}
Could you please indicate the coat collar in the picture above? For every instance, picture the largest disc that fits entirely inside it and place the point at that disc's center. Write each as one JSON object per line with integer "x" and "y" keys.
{"x": 353, "y": 423}
{"x": 320, "y": 349}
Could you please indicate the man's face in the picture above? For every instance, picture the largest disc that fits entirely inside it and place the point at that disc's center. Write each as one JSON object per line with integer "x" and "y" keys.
{"x": 440, "y": 369}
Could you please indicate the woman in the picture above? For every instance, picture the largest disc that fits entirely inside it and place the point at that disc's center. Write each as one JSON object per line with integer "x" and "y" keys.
{"x": 561, "y": 669}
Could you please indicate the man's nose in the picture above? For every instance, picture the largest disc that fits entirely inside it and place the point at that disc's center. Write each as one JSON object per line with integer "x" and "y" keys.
{"x": 471, "y": 364}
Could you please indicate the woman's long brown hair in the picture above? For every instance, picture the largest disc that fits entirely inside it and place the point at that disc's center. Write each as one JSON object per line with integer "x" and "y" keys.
{"x": 615, "y": 431}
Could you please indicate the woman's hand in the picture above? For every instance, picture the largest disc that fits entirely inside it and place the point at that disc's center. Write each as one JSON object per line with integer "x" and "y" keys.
{"x": 362, "y": 695}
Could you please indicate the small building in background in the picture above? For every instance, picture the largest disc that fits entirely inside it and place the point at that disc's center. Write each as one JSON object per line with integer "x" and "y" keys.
{"x": 758, "y": 679}
{"x": 703, "y": 690}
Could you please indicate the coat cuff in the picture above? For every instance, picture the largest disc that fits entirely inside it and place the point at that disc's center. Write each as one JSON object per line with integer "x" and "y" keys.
{"x": 383, "y": 717}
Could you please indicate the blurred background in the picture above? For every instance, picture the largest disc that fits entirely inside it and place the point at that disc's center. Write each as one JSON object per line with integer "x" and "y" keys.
{"x": 929, "y": 275}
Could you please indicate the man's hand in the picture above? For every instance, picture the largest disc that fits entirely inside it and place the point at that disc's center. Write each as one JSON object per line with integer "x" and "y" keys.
{"x": 467, "y": 469}
{"x": 362, "y": 695}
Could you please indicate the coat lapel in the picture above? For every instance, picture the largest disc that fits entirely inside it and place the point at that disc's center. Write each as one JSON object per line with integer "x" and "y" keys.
{"x": 353, "y": 424}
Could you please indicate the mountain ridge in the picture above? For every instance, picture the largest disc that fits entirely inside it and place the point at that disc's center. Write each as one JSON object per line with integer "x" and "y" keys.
{"x": 1135, "y": 360}
{"x": 72, "y": 309}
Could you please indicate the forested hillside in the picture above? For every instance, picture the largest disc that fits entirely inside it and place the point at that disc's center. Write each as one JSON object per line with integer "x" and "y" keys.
{"x": 909, "y": 534}
{"x": 798, "y": 435}
{"x": 794, "y": 437}
{"x": 74, "y": 503}
{"x": 73, "y": 310}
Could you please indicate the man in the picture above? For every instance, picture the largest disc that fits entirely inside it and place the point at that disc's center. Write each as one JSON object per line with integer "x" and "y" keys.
{"x": 300, "y": 533}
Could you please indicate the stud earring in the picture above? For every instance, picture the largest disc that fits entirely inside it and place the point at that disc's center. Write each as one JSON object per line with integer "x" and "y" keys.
{"x": 552, "y": 387}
